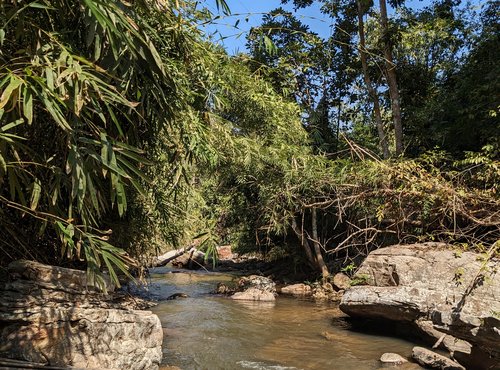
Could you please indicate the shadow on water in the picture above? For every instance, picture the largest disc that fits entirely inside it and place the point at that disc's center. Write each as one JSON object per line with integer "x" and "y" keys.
{"x": 211, "y": 332}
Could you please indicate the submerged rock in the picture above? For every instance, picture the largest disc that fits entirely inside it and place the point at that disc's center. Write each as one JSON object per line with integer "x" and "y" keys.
{"x": 328, "y": 336}
{"x": 47, "y": 315}
{"x": 297, "y": 289}
{"x": 176, "y": 296}
{"x": 392, "y": 358}
{"x": 458, "y": 292}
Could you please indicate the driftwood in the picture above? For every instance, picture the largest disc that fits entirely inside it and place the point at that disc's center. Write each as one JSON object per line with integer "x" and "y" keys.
{"x": 189, "y": 257}
{"x": 171, "y": 255}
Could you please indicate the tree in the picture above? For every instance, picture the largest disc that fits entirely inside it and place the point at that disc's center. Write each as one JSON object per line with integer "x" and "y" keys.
{"x": 390, "y": 74}
{"x": 86, "y": 90}
{"x": 369, "y": 86}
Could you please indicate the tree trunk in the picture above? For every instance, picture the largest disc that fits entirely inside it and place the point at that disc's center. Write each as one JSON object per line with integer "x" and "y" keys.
{"x": 390, "y": 70}
{"x": 371, "y": 91}
{"x": 317, "y": 248}
{"x": 305, "y": 244}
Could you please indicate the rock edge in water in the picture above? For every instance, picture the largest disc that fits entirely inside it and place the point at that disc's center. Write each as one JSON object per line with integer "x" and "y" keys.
{"x": 456, "y": 293}
{"x": 48, "y": 316}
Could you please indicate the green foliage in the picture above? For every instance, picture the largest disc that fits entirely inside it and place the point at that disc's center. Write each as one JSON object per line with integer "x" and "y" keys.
{"x": 89, "y": 90}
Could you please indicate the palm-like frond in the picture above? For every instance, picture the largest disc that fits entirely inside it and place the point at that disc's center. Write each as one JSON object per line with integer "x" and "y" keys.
{"x": 82, "y": 88}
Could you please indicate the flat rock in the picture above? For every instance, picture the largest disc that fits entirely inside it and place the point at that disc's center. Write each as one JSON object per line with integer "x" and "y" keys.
{"x": 297, "y": 289}
{"x": 254, "y": 294}
{"x": 392, "y": 358}
{"x": 433, "y": 360}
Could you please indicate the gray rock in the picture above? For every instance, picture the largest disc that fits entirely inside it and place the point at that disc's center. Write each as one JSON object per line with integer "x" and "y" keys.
{"x": 52, "y": 319}
{"x": 444, "y": 340}
{"x": 258, "y": 282}
{"x": 457, "y": 291}
{"x": 392, "y": 358}
{"x": 255, "y": 288}
{"x": 433, "y": 360}
{"x": 341, "y": 281}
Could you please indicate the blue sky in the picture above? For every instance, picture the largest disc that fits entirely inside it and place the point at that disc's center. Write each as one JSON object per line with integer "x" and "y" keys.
{"x": 250, "y": 12}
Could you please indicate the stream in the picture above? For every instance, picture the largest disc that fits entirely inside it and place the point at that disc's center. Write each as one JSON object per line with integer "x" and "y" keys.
{"x": 212, "y": 332}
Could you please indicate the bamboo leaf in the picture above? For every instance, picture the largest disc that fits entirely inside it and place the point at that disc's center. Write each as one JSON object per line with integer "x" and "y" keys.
{"x": 13, "y": 85}
{"x": 28, "y": 104}
{"x": 3, "y": 165}
{"x": 35, "y": 193}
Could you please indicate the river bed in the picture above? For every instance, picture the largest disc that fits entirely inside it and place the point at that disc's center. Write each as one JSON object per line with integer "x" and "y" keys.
{"x": 212, "y": 332}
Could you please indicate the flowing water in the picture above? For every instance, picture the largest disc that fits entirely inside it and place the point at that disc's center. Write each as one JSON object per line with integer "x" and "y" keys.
{"x": 211, "y": 332}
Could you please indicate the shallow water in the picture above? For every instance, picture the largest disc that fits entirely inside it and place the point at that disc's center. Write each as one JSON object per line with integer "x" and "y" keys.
{"x": 211, "y": 332}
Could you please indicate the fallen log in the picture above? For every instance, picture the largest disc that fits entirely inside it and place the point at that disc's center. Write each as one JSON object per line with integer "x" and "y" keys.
{"x": 171, "y": 255}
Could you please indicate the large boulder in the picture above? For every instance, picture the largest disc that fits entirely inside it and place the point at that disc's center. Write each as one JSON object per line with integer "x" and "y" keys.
{"x": 48, "y": 315}
{"x": 458, "y": 292}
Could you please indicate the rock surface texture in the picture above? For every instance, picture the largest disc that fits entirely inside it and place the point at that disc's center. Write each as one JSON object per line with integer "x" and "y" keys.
{"x": 433, "y": 360}
{"x": 392, "y": 358}
{"x": 448, "y": 293}
{"x": 255, "y": 288}
{"x": 297, "y": 290}
{"x": 47, "y": 316}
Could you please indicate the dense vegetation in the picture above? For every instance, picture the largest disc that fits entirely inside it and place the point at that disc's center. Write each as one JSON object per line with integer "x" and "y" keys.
{"x": 123, "y": 132}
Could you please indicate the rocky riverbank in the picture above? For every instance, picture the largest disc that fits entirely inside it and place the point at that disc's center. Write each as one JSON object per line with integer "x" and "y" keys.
{"x": 452, "y": 298}
{"x": 448, "y": 298}
{"x": 48, "y": 315}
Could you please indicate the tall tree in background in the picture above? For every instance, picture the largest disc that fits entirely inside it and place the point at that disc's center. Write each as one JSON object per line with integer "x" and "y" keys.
{"x": 384, "y": 145}
{"x": 390, "y": 74}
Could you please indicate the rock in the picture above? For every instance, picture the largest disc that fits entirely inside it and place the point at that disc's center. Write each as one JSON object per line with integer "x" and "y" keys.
{"x": 297, "y": 289}
{"x": 403, "y": 366}
{"x": 325, "y": 292}
{"x": 392, "y": 358}
{"x": 258, "y": 282}
{"x": 254, "y": 294}
{"x": 433, "y": 360}
{"x": 225, "y": 253}
{"x": 193, "y": 260}
{"x": 177, "y": 295}
{"x": 224, "y": 289}
{"x": 341, "y": 281}
{"x": 457, "y": 291}
{"x": 444, "y": 340}
{"x": 61, "y": 277}
{"x": 52, "y": 319}
{"x": 255, "y": 288}
{"x": 328, "y": 336}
